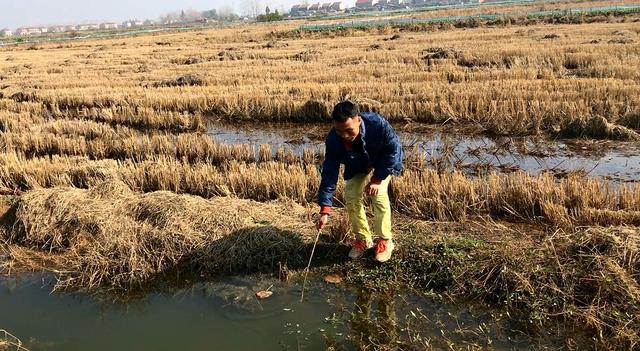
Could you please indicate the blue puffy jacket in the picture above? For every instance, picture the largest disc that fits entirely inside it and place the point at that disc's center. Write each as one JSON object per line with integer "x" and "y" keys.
{"x": 377, "y": 147}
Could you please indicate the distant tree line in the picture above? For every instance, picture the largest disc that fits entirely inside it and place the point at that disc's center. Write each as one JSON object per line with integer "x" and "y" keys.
{"x": 225, "y": 13}
{"x": 187, "y": 16}
{"x": 269, "y": 16}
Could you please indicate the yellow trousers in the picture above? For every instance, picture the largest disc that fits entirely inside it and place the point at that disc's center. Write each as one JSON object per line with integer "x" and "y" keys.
{"x": 353, "y": 194}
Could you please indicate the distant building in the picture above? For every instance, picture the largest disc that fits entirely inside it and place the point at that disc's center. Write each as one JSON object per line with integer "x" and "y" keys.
{"x": 69, "y": 28}
{"x": 303, "y": 10}
{"x": 428, "y": 2}
{"x": 327, "y": 7}
{"x": 90, "y": 26}
{"x": 396, "y": 3}
{"x": 57, "y": 29}
{"x": 382, "y": 4}
{"x": 148, "y": 23}
{"x": 44, "y": 30}
{"x": 132, "y": 23}
{"x": 6, "y": 33}
{"x": 28, "y": 31}
{"x": 108, "y": 25}
{"x": 366, "y": 4}
{"x": 337, "y": 6}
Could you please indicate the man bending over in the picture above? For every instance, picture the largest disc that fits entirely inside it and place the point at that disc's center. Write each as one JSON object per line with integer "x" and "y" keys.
{"x": 371, "y": 153}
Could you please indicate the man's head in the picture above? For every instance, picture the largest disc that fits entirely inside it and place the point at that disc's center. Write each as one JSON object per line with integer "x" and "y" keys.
{"x": 346, "y": 120}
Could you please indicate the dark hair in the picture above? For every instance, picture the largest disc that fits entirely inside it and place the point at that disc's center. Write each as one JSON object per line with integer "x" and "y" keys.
{"x": 344, "y": 110}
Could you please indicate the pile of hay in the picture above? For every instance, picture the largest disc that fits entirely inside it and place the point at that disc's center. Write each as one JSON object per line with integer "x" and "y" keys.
{"x": 181, "y": 81}
{"x": 599, "y": 128}
{"x": 632, "y": 120}
{"x": 110, "y": 236}
{"x": 440, "y": 53}
{"x": 602, "y": 266}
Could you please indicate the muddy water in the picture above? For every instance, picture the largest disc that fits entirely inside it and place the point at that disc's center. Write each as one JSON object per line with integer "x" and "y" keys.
{"x": 615, "y": 161}
{"x": 225, "y": 315}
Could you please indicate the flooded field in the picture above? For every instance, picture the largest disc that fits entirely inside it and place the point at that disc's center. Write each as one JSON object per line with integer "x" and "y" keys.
{"x": 473, "y": 154}
{"x": 226, "y": 315}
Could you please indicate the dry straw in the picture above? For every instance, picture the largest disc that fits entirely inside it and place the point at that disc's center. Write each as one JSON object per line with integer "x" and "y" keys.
{"x": 110, "y": 236}
{"x": 539, "y": 79}
{"x": 424, "y": 194}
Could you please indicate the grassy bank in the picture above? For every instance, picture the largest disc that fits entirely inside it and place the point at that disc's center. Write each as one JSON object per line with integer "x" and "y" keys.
{"x": 109, "y": 237}
{"x": 548, "y": 279}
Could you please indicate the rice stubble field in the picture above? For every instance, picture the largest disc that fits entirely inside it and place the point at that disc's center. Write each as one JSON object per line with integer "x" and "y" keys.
{"x": 111, "y": 181}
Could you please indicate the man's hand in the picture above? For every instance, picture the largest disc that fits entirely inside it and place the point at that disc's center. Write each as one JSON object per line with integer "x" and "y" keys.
{"x": 372, "y": 189}
{"x": 322, "y": 221}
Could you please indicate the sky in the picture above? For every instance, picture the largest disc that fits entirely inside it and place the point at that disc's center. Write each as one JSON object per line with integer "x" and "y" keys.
{"x": 22, "y": 13}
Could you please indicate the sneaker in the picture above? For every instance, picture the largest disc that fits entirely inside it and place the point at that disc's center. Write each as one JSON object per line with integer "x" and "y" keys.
{"x": 358, "y": 248}
{"x": 384, "y": 249}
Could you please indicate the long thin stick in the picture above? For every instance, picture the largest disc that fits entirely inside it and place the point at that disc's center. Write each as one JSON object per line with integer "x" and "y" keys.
{"x": 309, "y": 265}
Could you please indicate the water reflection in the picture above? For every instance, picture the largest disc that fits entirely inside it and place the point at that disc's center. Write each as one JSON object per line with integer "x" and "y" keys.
{"x": 373, "y": 322}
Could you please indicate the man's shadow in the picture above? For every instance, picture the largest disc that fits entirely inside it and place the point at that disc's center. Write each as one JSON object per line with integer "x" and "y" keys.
{"x": 264, "y": 249}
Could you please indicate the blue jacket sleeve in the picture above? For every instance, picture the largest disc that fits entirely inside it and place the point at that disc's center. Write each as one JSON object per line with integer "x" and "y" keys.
{"x": 390, "y": 153}
{"x": 330, "y": 170}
